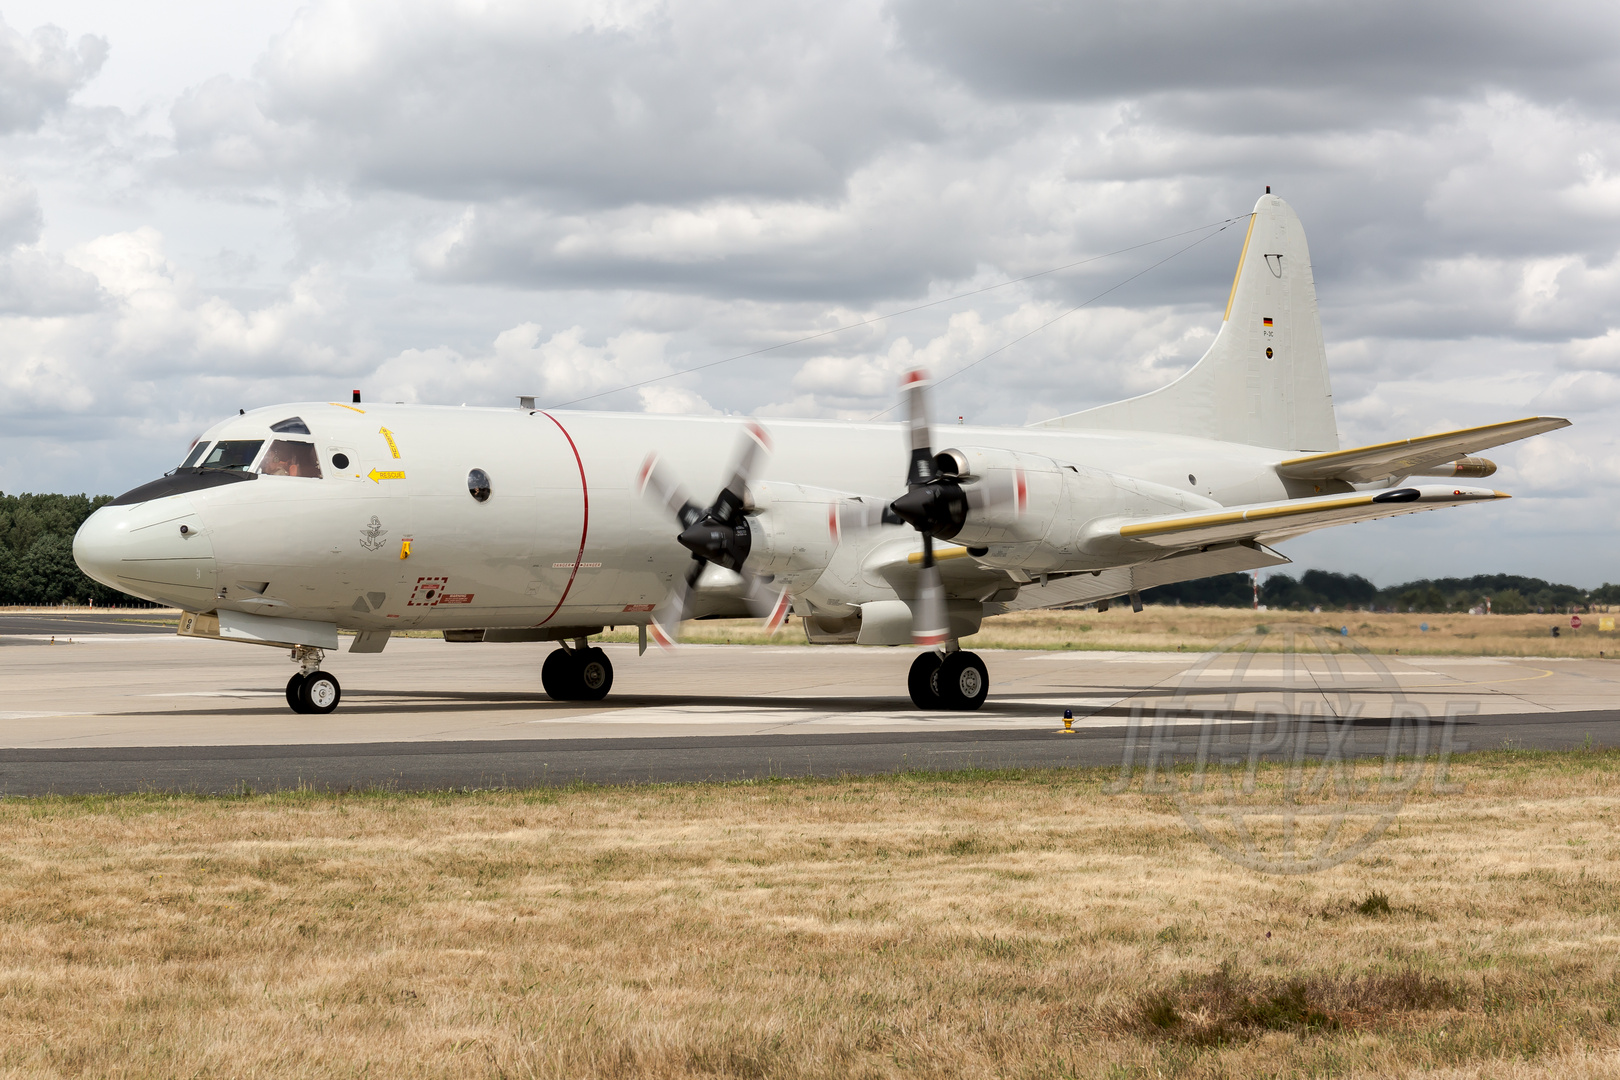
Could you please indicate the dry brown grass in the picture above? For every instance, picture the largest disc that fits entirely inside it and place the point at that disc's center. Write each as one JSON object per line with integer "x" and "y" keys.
{"x": 1194, "y": 629}
{"x": 1007, "y": 924}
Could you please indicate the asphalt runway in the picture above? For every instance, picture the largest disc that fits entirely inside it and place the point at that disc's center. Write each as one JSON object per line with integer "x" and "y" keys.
{"x": 20, "y": 629}
{"x": 131, "y": 707}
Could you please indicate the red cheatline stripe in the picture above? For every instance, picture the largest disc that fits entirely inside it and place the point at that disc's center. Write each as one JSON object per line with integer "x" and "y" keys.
{"x": 585, "y": 523}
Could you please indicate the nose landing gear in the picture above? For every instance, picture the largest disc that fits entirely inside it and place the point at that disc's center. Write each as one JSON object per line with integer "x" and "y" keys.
{"x": 581, "y": 673}
{"x": 312, "y": 690}
{"x": 956, "y": 680}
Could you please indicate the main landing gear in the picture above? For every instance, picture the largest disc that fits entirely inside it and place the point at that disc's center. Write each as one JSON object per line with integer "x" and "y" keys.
{"x": 312, "y": 690}
{"x": 953, "y": 680}
{"x": 581, "y": 673}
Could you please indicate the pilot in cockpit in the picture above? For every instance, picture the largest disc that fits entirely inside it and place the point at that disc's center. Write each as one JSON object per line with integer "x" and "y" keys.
{"x": 285, "y": 458}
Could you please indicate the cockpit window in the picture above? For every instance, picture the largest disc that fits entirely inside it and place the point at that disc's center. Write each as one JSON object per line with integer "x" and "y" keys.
{"x": 293, "y": 425}
{"x": 198, "y": 448}
{"x": 287, "y": 458}
{"x": 232, "y": 454}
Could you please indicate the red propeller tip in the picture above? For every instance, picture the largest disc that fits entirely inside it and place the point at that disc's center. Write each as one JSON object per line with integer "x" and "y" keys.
{"x": 917, "y": 375}
{"x": 779, "y": 613}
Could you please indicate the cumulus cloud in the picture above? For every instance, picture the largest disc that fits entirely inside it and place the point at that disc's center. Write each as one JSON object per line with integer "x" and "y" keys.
{"x": 1389, "y": 49}
{"x": 456, "y": 202}
{"x": 558, "y": 367}
{"x": 593, "y": 104}
{"x": 39, "y": 72}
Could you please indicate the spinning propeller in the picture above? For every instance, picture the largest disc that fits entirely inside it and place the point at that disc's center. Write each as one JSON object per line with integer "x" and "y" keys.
{"x": 936, "y": 505}
{"x": 716, "y": 534}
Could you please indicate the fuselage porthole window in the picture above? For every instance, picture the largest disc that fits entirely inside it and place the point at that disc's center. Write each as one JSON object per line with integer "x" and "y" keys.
{"x": 340, "y": 461}
{"x": 478, "y": 484}
{"x": 288, "y": 458}
{"x": 235, "y": 454}
{"x": 198, "y": 449}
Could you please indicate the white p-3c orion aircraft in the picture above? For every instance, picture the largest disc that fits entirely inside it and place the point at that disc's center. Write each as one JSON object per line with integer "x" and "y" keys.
{"x": 287, "y": 524}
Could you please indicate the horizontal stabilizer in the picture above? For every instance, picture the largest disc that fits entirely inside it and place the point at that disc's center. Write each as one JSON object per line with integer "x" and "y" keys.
{"x": 1365, "y": 464}
{"x": 1269, "y": 522}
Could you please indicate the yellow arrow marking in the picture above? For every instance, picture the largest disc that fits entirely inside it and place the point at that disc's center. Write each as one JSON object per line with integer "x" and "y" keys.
{"x": 378, "y": 477}
{"x": 389, "y": 435}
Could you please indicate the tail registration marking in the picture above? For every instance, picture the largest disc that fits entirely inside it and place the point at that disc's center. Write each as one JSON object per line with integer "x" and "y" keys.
{"x": 392, "y": 448}
{"x": 379, "y": 477}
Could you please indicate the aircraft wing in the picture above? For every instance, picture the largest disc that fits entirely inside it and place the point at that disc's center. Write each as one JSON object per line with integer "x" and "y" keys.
{"x": 1268, "y": 522}
{"x": 1365, "y": 464}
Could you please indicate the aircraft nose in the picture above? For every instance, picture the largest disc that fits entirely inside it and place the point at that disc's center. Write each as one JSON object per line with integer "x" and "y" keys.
{"x": 157, "y": 550}
{"x": 95, "y": 546}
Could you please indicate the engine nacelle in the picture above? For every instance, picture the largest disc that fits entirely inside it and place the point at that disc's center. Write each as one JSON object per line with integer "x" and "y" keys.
{"x": 1035, "y": 509}
{"x": 796, "y": 530}
{"x": 1011, "y": 497}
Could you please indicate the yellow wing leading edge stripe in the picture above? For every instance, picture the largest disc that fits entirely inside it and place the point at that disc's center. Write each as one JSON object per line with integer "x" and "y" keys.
{"x": 940, "y": 555}
{"x": 1238, "y": 517}
{"x": 1418, "y": 441}
{"x": 1262, "y": 513}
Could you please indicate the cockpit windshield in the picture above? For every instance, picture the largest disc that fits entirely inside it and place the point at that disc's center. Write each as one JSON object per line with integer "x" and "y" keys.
{"x": 198, "y": 448}
{"x": 232, "y": 454}
{"x": 288, "y": 458}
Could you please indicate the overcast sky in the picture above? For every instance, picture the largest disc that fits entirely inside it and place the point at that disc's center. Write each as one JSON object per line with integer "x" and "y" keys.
{"x": 206, "y": 207}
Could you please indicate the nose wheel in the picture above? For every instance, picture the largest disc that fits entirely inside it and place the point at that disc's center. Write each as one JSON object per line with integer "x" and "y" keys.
{"x": 312, "y": 690}
{"x": 578, "y": 674}
{"x": 958, "y": 681}
{"x": 317, "y": 692}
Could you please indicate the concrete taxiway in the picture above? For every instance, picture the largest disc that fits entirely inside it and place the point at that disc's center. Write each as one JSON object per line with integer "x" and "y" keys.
{"x": 127, "y": 707}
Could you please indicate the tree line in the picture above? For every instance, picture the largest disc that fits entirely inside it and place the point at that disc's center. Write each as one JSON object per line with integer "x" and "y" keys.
{"x": 1509, "y": 594}
{"x": 37, "y": 567}
{"x": 36, "y": 551}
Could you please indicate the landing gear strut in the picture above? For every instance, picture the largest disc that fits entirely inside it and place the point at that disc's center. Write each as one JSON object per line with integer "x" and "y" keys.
{"x": 312, "y": 690}
{"x": 581, "y": 673}
{"x": 956, "y": 680}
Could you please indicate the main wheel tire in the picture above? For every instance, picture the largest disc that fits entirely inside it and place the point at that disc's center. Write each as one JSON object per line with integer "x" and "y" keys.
{"x": 295, "y": 684}
{"x": 923, "y": 681}
{"x": 594, "y": 675}
{"x": 963, "y": 682}
{"x": 320, "y": 692}
{"x": 560, "y": 676}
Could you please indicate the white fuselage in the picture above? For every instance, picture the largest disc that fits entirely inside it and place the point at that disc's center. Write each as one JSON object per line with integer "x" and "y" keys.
{"x": 565, "y": 537}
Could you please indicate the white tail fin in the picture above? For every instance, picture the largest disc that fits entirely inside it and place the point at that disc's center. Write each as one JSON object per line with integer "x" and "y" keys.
{"x": 1264, "y": 381}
